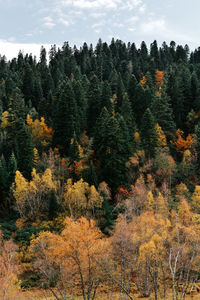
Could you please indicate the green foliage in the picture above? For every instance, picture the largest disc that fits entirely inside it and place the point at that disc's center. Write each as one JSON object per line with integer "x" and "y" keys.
{"x": 148, "y": 133}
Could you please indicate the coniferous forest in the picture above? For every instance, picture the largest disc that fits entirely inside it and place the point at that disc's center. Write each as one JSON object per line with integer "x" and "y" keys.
{"x": 100, "y": 173}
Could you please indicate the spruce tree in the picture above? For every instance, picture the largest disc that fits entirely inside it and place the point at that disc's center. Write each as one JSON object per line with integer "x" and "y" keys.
{"x": 28, "y": 83}
{"x": 148, "y": 133}
{"x": 74, "y": 149}
{"x": 91, "y": 176}
{"x": 53, "y": 205}
{"x": 94, "y": 103}
{"x": 127, "y": 113}
{"x": 24, "y": 149}
{"x": 81, "y": 104}
{"x": 162, "y": 112}
{"x": 12, "y": 168}
{"x": 106, "y": 97}
{"x": 100, "y": 128}
{"x": 111, "y": 149}
{"x": 154, "y": 54}
{"x": 66, "y": 119}
{"x": 195, "y": 91}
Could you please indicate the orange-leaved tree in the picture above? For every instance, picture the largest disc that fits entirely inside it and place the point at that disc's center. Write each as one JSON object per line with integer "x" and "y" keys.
{"x": 41, "y": 134}
{"x": 75, "y": 254}
{"x": 159, "y": 79}
{"x": 182, "y": 143}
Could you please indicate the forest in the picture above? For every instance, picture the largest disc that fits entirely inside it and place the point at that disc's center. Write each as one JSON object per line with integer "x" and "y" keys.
{"x": 100, "y": 173}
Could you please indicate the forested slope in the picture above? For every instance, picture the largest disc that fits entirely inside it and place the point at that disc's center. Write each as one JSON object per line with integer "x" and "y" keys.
{"x": 101, "y": 144}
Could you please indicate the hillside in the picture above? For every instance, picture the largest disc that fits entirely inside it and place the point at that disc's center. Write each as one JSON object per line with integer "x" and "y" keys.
{"x": 100, "y": 171}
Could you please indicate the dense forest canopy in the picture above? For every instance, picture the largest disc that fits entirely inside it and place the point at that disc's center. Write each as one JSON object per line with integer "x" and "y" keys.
{"x": 100, "y": 153}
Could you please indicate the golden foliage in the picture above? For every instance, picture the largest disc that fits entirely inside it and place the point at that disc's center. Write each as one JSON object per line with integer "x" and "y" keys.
{"x": 80, "y": 198}
{"x": 196, "y": 199}
{"x": 76, "y": 252}
{"x": 30, "y": 196}
{"x": 162, "y": 141}
{"x": 149, "y": 204}
{"x": 4, "y": 119}
{"x": 8, "y": 267}
{"x": 143, "y": 80}
{"x": 40, "y": 132}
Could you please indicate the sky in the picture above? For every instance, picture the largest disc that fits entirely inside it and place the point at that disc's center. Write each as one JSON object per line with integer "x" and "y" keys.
{"x": 27, "y": 24}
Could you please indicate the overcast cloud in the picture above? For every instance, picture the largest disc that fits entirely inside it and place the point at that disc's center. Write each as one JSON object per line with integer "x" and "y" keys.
{"x": 27, "y": 25}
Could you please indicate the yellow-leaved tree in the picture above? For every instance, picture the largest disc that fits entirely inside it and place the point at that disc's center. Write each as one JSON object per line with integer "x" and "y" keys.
{"x": 162, "y": 141}
{"x": 8, "y": 267}
{"x": 196, "y": 199}
{"x": 31, "y": 198}
{"x": 183, "y": 250}
{"x": 81, "y": 198}
{"x": 149, "y": 233}
{"x": 149, "y": 203}
{"x": 41, "y": 134}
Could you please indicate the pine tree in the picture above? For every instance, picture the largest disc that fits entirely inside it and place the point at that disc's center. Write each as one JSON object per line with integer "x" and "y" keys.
{"x": 94, "y": 103}
{"x": 100, "y": 128}
{"x": 53, "y": 205}
{"x": 66, "y": 119}
{"x": 81, "y": 104}
{"x": 12, "y": 168}
{"x": 148, "y": 133}
{"x": 132, "y": 90}
{"x": 91, "y": 176}
{"x": 3, "y": 175}
{"x": 106, "y": 97}
{"x": 195, "y": 90}
{"x": 163, "y": 113}
{"x": 120, "y": 92}
{"x": 154, "y": 53}
{"x": 139, "y": 103}
{"x": 111, "y": 149}
{"x": 127, "y": 113}
{"x": 74, "y": 149}
{"x": 24, "y": 149}
{"x": 28, "y": 83}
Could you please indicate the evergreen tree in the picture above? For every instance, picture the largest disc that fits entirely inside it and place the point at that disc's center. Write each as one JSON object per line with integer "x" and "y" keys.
{"x": 110, "y": 144}
{"x": 100, "y": 128}
{"x": 74, "y": 149}
{"x": 4, "y": 183}
{"x": 106, "y": 97}
{"x": 120, "y": 92}
{"x": 148, "y": 133}
{"x": 127, "y": 113}
{"x": 12, "y": 168}
{"x": 154, "y": 53}
{"x": 132, "y": 87}
{"x": 195, "y": 91}
{"x": 139, "y": 103}
{"x": 28, "y": 83}
{"x": 94, "y": 103}
{"x": 81, "y": 104}
{"x": 53, "y": 205}
{"x": 91, "y": 176}
{"x": 66, "y": 119}
{"x": 24, "y": 149}
{"x": 163, "y": 113}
